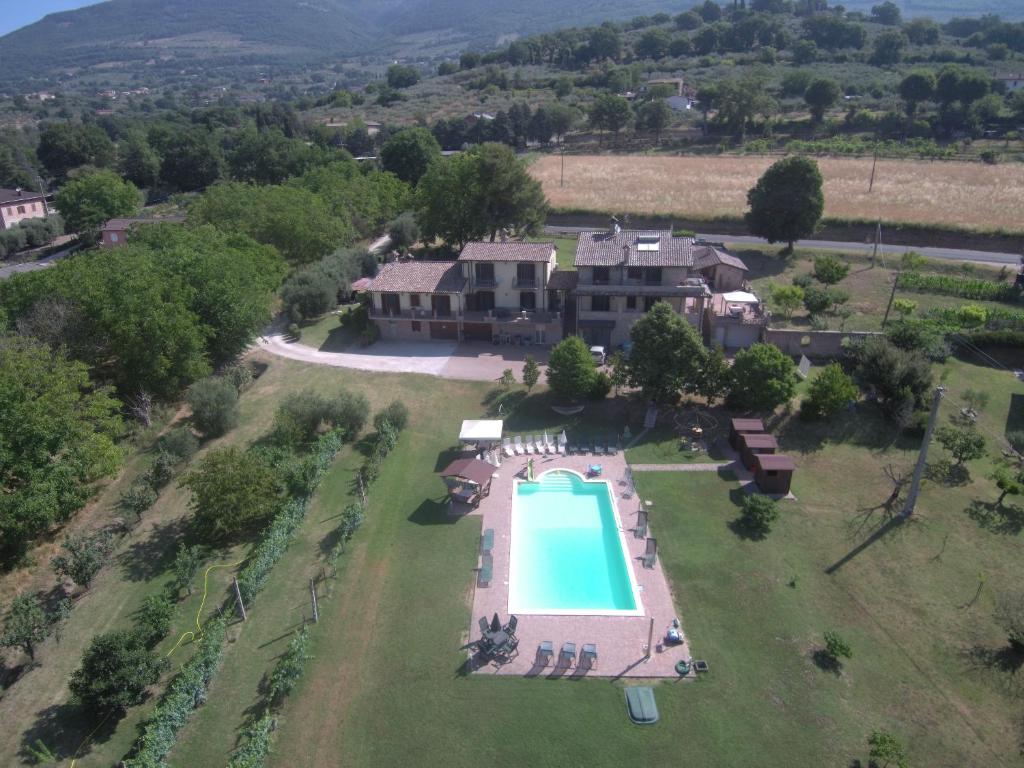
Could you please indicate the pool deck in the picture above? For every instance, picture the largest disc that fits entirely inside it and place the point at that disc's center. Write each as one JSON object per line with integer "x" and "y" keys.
{"x": 621, "y": 640}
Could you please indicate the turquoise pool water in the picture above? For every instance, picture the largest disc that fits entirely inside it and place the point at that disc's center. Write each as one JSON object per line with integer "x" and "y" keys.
{"x": 567, "y": 554}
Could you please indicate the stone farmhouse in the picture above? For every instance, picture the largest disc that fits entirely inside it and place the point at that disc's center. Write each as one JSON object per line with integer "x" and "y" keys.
{"x": 513, "y": 292}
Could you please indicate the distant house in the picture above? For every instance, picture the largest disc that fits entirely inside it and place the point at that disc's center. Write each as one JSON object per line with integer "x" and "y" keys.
{"x": 17, "y": 205}
{"x": 1012, "y": 82}
{"x": 676, "y": 82}
{"x": 114, "y": 233}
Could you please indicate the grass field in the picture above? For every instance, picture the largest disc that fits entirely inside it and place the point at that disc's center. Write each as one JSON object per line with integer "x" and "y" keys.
{"x": 972, "y": 195}
{"x": 869, "y": 287}
{"x": 386, "y": 684}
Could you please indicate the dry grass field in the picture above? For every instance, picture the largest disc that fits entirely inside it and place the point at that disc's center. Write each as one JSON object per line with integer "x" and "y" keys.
{"x": 970, "y": 195}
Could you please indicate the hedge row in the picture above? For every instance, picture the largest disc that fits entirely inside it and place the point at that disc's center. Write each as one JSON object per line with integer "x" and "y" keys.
{"x": 1003, "y": 338}
{"x": 996, "y": 318}
{"x": 282, "y": 528}
{"x": 184, "y": 694}
{"x": 253, "y": 753}
{"x": 964, "y": 288}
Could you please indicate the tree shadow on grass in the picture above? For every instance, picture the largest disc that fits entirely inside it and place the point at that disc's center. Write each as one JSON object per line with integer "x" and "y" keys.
{"x": 61, "y": 728}
{"x": 865, "y": 427}
{"x": 995, "y": 518}
{"x": 826, "y": 662}
{"x": 1008, "y": 659}
{"x": 432, "y": 512}
{"x": 947, "y": 473}
{"x": 151, "y": 556}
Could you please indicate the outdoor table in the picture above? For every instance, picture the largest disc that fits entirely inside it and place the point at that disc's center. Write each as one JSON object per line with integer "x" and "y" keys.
{"x": 498, "y": 639}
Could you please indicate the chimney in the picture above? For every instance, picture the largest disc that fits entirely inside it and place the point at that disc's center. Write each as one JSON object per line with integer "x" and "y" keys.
{"x": 17, "y": 191}
{"x": 614, "y": 227}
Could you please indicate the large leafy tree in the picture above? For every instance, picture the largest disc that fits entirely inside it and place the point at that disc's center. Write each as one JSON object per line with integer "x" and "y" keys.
{"x": 57, "y": 435}
{"x": 610, "y": 112}
{"x": 571, "y": 369}
{"x": 918, "y": 86}
{"x": 368, "y": 200}
{"x": 899, "y": 378}
{"x": 787, "y": 202}
{"x": 116, "y": 669}
{"x": 139, "y": 162}
{"x": 231, "y": 490}
{"x": 829, "y": 393}
{"x": 667, "y": 353}
{"x": 26, "y": 626}
{"x": 191, "y": 160}
{"x": 409, "y": 153}
{"x": 88, "y": 201}
{"x": 271, "y": 157}
{"x": 65, "y": 146}
{"x": 821, "y": 95}
{"x": 763, "y": 378}
{"x": 293, "y": 220}
{"x": 478, "y": 193}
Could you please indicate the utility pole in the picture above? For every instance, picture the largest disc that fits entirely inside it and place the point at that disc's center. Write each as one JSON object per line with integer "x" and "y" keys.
{"x": 874, "y": 164}
{"x": 878, "y": 241}
{"x": 561, "y": 177}
{"x": 238, "y": 598}
{"x": 915, "y": 483}
{"x": 892, "y": 295}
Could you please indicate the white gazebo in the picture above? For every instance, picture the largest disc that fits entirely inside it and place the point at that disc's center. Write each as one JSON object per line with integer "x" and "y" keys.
{"x": 481, "y": 432}
{"x": 740, "y": 297}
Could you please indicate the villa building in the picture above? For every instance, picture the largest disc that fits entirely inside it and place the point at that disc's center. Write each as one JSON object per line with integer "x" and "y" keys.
{"x": 623, "y": 273}
{"x": 17, "y": 205}
{"x": 498, "y": 292}
{"x": 513, "y": 292}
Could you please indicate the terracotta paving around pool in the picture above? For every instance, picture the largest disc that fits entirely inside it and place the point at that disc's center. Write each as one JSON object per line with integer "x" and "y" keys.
{"x": 621, "y": 640}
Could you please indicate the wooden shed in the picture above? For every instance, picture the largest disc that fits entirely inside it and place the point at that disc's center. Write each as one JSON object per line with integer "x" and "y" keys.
{"x": 743, "y": 426}
{"x": 754, "y": 443}
{"x": 773, "y": 473}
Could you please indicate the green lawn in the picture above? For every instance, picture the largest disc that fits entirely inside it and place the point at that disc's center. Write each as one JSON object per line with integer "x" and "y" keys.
{"x": 666, "y": 444}
{"x": 566, "y": 249}
{"x": 327, "y": 334}
{"x": 869, "y": 287}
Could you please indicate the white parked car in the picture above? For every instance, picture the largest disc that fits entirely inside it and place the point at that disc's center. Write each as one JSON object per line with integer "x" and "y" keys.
{"x": 598, "y": 354}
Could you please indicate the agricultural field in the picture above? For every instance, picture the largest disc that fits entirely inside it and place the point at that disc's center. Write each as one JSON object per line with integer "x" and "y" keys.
{"x": 967, "y": 195}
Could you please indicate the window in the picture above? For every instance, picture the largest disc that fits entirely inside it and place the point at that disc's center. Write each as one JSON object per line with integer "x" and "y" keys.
{"x": 526, "y": 274}
{"x": 772, "y": 472}
{"x": 649, "y": 301}
{"x": 600, "y": 304}
{"x": 527, "y": 300}
{"x": 416, "y": 325}
{"x": 601, "y": 275}
{"x": 390, "y": 303}
{"x": 484, "y": 273}
{"x": 113, "y": 237}
{"x": 652, "y": 276}
{"x": 21, "y": 209}
{"x": 414, "y": 299}
{"x": 631, "y": 302}
{"x": 634, "y": 273}
{"x": 442, "y": 306}
{"x": 484, "y": 301}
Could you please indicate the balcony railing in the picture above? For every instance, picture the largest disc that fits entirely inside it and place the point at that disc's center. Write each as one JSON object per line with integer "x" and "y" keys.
{"x": 526, "y": 282}
{"x": 485, "y": 282}
{"x": 500, "y": 316}
{"x": 416, "y": 313}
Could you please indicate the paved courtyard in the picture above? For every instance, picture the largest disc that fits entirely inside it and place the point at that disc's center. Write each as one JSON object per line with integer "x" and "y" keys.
{"x": 621, "y": 640}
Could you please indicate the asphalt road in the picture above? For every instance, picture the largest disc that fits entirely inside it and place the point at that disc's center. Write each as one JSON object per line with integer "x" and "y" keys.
{"x": 32, "y": 266}
{"x": 950, "y": 254}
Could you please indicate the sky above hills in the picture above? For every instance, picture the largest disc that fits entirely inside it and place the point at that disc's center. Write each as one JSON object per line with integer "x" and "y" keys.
{"x": 20, "y": 14}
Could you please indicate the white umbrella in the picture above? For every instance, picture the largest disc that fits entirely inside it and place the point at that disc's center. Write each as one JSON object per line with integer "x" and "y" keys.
{"x": 562, "y": 439}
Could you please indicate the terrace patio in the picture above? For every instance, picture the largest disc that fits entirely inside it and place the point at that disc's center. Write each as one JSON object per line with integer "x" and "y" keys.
{"x": 621, "y": 640}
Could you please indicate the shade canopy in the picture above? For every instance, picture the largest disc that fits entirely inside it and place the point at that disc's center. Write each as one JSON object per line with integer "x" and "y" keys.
{"x": 475, "y": 471}
{"x": 740, "y": 297}
{"x": 481, "y": 431}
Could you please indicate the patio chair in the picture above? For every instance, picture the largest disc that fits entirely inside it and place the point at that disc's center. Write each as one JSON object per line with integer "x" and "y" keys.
{"x": 486, "y": 570}
{"x": 651, "y": 553}
{"x": 613, "y": 448}
{"x": 485, "y": 626}
{"x": 487, "y": 541}
{"x": 545, "y": 652}
{"x": 589, "y": 654}
{"x": 506, "y": 446}
{"x": 641, "y": 525}
{"x": 513, "y": 622}
{"x": 567, "y": 655}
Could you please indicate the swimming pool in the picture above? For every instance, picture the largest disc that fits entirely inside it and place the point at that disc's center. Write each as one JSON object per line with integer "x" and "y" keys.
{"x": 568, "y": 555}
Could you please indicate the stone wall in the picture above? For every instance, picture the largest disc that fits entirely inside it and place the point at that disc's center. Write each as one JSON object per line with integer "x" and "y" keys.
{"x": 820, "y": 344}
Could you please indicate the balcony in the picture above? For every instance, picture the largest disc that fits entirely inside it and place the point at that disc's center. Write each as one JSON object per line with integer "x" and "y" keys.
{"x": 503, "y": 316}
{"x": 416, "y": 313}
{"x": 526, "y": 283}
{"x": 485, "y": 282}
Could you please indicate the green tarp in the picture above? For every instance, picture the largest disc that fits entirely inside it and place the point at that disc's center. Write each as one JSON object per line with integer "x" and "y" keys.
{"x": 641, "y": 706}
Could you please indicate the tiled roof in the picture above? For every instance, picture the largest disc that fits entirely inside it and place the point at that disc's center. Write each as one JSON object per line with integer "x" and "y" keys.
{"x": 707, "y": 256}
{"x": 563, "y": 280}
{"x": 774, "y": 461}
{"x": 419, "y": 277}
{"x": 508, "y": 251}
{"x": 12, "y": 196}
{"x": 604, "y": 249}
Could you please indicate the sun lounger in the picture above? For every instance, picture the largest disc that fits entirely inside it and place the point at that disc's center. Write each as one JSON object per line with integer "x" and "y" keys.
{"x": 487, "y": 541}
{"x": 528, "y": 443}
{"x": 545, "y": 652}
{"x": 641, "y": 525}
{"x": 506, "y": 446}
{"x": 567, "y": 657}
{"x": 538, "y": 444}
{"x": 486, "y": 570}
{"x": 589, "y": 654}
{"x": 651, "y": 553}
{"x": 519, "y": 445}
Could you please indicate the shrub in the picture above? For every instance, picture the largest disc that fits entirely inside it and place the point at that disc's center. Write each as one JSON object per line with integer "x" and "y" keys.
{"x": 370, "y": 334}
{"x": 836, "y": 647}
{"x": 803, "y": 281}
{"x": 85, "y": 555}
{"x": 964, "y": 443}
{"x": 830, "y": 270}
{"x": 816, "y": 299}
{"x": 289, "y": 667}
{"x": 829, "y": 392}
{"x": 214, "y": 403}
{"x": 299, "y": 416}
{"x": 349, "y": 412}
{"x": 758, "y": 514}
{"x": 138, "y": 498}
{"x": 256, "y": 748}
{"x": 186, "y": 563}
{"x": 115, "y": 671}
{"x": 886, "y": 750}
{"x": 295, "y": 332}
{"x": 161, "y": 471}
{"x": 240, "y": 376}
{"x": 601, "y": 386}
{"x": 184, "y": 693}
{"x": 395, "y": 413}
{"x": 153, "y": 621}
{"x": 179, "y": 443}
{"x": 27, "y": 625}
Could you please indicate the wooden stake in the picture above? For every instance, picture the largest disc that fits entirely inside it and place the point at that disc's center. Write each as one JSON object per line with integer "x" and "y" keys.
{"x": 650, "y": 640}
{"x": 312, "y": 591}
{"x": 238, "y": 597}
